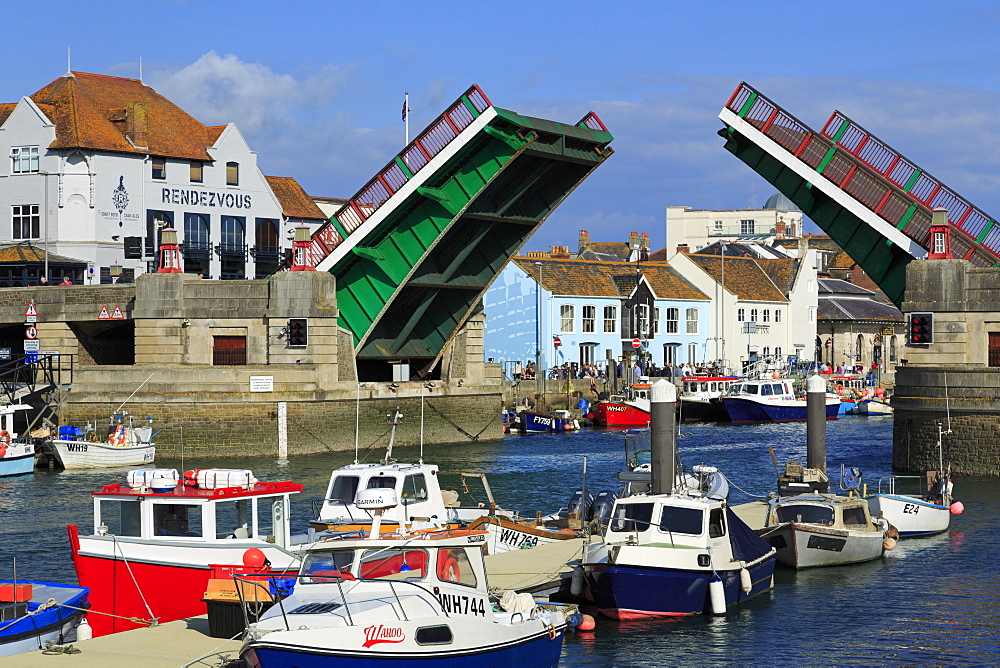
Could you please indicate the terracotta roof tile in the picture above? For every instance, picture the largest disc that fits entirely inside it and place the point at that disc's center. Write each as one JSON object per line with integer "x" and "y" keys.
{"x": 97, "y": 112}
{"x": 586, "y": 278}
{"x": 25, "y": 252}
{"x": 743, "y": 276}
{"x": 5, "y": 110}
{"x": 295, "y": 203}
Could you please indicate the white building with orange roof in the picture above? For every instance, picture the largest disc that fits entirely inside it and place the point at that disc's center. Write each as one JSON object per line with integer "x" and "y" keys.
{"x": 98, "y": 166}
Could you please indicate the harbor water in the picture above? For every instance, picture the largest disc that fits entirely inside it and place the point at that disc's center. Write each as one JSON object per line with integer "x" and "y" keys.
{"x": 930, "y": 600}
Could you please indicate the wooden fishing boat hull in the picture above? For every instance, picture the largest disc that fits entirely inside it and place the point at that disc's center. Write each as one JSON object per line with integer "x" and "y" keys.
{"x": 911, "y": 515}
{"x": 91, "y": 455}
{"x": 504, "y": 535}
{"x": 618, "y": 414}
{"x": 802, "y": 545}
{"x": 49, "y": 625}
{"x": 18, "y": 459}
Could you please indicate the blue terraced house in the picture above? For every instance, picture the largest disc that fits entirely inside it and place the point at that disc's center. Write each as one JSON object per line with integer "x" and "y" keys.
{"x": 593, "y": 309}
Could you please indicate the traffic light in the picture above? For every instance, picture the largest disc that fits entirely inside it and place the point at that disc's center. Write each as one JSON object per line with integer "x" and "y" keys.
{"x": 298, "y": 332}
{"x": 921, "y": 328}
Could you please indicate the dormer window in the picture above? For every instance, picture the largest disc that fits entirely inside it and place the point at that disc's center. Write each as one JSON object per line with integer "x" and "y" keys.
{"x": 159, "y": 166}
{"x": 23, "y": 159}
{"x": 197, "y": 171}
{"x": 232, "y": 173}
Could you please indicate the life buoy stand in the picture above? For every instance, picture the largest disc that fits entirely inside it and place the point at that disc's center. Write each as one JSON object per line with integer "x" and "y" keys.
{"x": 4, "y": 437}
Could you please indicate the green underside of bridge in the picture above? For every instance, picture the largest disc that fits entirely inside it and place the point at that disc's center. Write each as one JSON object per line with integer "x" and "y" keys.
{"x": 884, "y": 262}
{"x": 408, "y": 286}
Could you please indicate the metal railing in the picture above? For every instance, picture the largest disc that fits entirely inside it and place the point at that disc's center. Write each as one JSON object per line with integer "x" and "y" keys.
{"x": 872, "y": 173}
{"x": 398, "y": 172}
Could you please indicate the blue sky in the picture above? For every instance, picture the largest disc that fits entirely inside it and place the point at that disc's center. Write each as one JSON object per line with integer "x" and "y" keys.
{"x": 317, "y": 87}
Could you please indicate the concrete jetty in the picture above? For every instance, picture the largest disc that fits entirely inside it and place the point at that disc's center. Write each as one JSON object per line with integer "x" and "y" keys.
{"x": 180, "y": 643}
{"x": 753, "y": 513}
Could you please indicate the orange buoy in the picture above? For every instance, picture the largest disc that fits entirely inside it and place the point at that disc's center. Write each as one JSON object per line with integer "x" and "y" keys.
{"x": 587, "y": 623}
{"x": 956, "y": 508}
{"x": 254, "y": 558}
{"x": 889, "y": 543}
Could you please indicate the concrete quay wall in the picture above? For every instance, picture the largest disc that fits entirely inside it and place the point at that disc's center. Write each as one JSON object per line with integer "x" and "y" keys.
{"x": 223, "y": 419}
{"x": 925, "y": 398}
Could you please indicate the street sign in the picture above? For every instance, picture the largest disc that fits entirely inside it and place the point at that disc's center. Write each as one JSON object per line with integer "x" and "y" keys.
{"x": 104, "y": 315}
{"x": 31, "y": 332}
{"x": 117, "y": 314}
{"x": 556, "y": 342}
{"x": 32, "y": 346}
{"x": 30, "y": 319}
{"x": 31, "y": 309}
{"x": 636, "y": 343}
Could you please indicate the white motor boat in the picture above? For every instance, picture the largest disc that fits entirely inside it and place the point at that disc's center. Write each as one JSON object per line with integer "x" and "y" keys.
{"x": 124, "y": 445}
{"x": 17, "y": 457}
{"x": 914, "y": 513}
{"x": 400, "y": 599}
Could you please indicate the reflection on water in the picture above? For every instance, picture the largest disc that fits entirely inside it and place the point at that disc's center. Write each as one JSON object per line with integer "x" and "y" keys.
{"x": 931, "y": 600}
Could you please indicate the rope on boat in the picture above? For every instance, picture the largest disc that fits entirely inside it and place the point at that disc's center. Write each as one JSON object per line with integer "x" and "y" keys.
{"x": 129, "y": 566}
{"x": 44, "y": 606}
{"x": 756, "y": 496}
{"x": 152, "y": 621}
{"x": 52, "y": 648}
{"x": 224, "y": 658}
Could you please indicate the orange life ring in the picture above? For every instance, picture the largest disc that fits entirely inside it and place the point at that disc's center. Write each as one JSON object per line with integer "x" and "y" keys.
{"x": 4, "y": 437}
{"x": 839, "y": 389}
{"x": 449, "y": 571}
{"x": 118, "y": 437}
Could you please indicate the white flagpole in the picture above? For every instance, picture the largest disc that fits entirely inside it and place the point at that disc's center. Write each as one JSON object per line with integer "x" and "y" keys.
{"x": 406, "y": 117}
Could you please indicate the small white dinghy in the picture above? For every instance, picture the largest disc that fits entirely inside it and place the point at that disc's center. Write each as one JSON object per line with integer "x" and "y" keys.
{"x": 125, "y": 445}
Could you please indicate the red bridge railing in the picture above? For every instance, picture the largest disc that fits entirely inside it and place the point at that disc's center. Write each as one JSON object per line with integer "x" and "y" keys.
{"x": 398, "y": 172}
{"x": 872, "y": 173}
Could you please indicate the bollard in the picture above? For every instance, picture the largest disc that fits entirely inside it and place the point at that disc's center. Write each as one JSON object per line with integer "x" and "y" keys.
{"x": 816, "y": 423}
{"x": 663, "y": 436}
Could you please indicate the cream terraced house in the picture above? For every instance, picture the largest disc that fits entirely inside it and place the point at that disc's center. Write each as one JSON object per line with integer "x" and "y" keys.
{"x": 98, "y": 166}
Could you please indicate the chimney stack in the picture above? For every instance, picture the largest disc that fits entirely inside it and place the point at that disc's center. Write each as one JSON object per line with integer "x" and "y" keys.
{"x": 584, "y": 240}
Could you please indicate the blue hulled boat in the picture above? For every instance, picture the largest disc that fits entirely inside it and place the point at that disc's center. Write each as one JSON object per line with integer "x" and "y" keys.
{"x": 771, "y": 400}
{"x": 675, "y": 554}
{"x": 533, "y": 421}
{"x": 34, "y": 613}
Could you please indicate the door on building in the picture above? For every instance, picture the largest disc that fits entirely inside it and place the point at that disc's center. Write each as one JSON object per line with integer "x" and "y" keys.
{"x": 229, "y": 350}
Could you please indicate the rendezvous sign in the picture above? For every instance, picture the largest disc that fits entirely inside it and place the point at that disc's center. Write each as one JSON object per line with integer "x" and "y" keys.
{"x": 31, "y": 342}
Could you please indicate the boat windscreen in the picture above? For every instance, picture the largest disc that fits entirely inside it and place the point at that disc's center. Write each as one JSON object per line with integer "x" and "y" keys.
{"x": 806, "y": 513}
{"x": 632, "y": 517}
{"x": 681, "y": 520}
{"x": 326, "y": 565}
{"x": 344, "y": 489}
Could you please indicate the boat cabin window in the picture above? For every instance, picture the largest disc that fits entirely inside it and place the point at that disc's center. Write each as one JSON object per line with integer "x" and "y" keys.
{"x": 414, "y": 489}
{"x": 751, "y": 389}
{"x": 632, "y": 517}
{"x": 454, "y": 566}
{"x": 344, "y": 489}
{"x": 232, "y": 519}
{"x": 712, "y": 386}
{"x": 716, "y": 525}
{"x": 806, "y": 513}
{"x": 268, "y": 510}
{"x": 855, "y": 515}
{"x": 704, "y": 386}
{"x": 175, "y": 519}
{"x": 382, "y": 482}
{"x": 121, "y": 517}
{"x": 394, "y": 564}
{"x": 325, "y": 565}
{"x": 765, "y": 390}
{"x": 681, "y": 520}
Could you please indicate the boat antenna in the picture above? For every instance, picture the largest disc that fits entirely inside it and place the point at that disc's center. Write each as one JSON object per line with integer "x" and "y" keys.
{"x": 392, "y": 435}
{"x": 136, "y": 390}
{"x": 357, "y": 423}
{"x": 421, "y": 460}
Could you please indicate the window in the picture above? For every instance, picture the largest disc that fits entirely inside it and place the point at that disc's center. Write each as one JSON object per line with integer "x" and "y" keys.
{"x": 632, "y": 517}
{"x": 938, "y": 242}
{"x": 414, "y": 489}
{"x": 23, "y": 159}
{"x": 121, "y": 517}
{"x": 892, "y": 348}
{"x": 589, "y": 316}
{"x": 588, "y": 353}
{"x": 382, "y": 482}
{"x": 566, "y": 316}
{"x": 777, "y": 353}
{"x": 232, "y": 173}
{"x": 718, "y": 225}
{"x": 233, "y": 233}
{"x": 197, "y": 171}
{"x": 740, "y": 315}
{"x": 159, "y": 167}
{"x": 232, "y": 519}
{"x": 175, "y": 519}
{"x": 777, "y": 315}
{"x": 196, "y": 230}
{"x": 767, "y": 315}
{"x": 642, "y": 314}
{"x": 805, "y": 513}
{"x": 716, "y": 525}
{"x": 855, "y": 516}
{"x": 812, "y": 314}
{"x": 266, "y": 249}
{"x": 692, "y": 353}
{"x": 746, "y": 227}
{"x": 434, "y": 635}
{"x": 343, "y": 489}
{"x": 610, "y": 319}
{"x": 229, "y": 350}
{"x": 753, "y": 315}
{"x": 394, "y": 564}
{"x": 681, "y": 520}
{"x": 656, "y": 321}
{"x": 692, "y": 321}
{"x": 24, "y": 219}
{"x": 326, "y": 566}
{"x": 766, "y": 390}
{"x": 454, "y": 566}
{"x": 993, "y": 349}
{"x": 673, "y": 315}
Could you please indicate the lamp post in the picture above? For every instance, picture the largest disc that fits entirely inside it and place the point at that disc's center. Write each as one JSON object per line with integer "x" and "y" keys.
{"x": 45, "y": 220}
{"x": 539, "y": 373}
{"x": 116, "y": 272}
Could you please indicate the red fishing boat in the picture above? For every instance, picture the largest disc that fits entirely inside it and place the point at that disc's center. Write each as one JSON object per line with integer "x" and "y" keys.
{"x": 631, "y": 410}
{"x": 158, "y": 540}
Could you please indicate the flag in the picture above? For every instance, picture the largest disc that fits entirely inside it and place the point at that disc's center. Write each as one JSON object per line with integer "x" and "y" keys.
{"x": 406, "y": 109}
